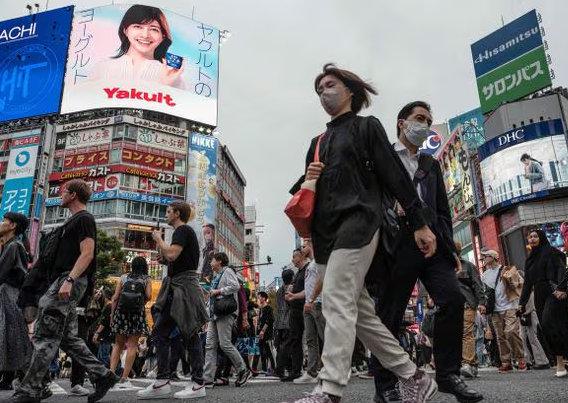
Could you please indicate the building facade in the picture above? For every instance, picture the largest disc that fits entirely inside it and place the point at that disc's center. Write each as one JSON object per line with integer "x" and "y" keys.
{"x": 139, "y": 162}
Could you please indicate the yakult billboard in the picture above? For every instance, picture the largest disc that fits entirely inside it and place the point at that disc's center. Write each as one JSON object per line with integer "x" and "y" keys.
{"x": 141, "y": 57}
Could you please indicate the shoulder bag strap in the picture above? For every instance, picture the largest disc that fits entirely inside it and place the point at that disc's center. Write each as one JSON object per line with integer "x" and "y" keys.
{"x": 317, "y": 150}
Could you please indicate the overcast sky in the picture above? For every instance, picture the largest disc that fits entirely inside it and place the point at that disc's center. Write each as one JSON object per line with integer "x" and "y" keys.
{"x": 268, "y": 112}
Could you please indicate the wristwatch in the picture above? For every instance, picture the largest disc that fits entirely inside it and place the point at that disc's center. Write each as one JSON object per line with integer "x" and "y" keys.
{"x": 311, "y": 300}
{"x": 70, "y": 279}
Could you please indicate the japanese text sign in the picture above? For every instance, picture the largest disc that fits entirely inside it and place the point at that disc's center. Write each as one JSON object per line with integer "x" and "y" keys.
{"x": 100, "y": 72}
{"x": 18, "y": 187}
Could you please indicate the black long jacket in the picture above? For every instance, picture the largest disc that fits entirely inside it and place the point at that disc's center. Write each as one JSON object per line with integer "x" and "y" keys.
{"x": 359, "y": 164}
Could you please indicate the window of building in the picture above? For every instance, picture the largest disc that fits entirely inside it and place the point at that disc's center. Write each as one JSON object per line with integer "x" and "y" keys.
{"x": 57, "y": 164}
{"x": 115, "y": 155}
{"x": 139, "y": 240}
{"x": 179, "y": 166}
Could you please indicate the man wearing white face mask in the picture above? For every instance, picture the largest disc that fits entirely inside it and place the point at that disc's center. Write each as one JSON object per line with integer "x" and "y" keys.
{"x": 408, "y": 265}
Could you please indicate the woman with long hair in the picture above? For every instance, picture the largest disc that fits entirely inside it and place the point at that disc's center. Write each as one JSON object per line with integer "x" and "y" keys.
{"x": 15, "y": 346}
{"x": 129, "y": 326}
{"x": 145, "y": 37}
{"x": 545, "y": 273}
{"x": 534, "y": 172}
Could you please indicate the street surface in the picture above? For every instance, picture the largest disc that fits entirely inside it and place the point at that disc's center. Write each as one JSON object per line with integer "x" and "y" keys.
{"x": 528, "y": 387}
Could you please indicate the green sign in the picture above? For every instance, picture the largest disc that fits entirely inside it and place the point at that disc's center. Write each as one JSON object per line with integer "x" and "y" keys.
{"x": 518, "y": 78}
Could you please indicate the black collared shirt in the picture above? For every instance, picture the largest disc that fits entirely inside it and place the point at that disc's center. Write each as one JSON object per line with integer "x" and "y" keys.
{"x": 359, "y": 164}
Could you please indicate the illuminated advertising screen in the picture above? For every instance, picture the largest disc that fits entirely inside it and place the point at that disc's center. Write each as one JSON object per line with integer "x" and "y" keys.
{"x": 524, "y": 164}
{"x": 33, "y": 50}
{"x": 556, "y": 232}
{"x": 142, "y": 57}
{"x": 18, "y": 188}
{"x": 202, "y": 195}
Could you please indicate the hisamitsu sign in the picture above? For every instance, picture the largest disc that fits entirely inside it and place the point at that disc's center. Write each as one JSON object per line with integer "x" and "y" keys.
{"x": 510, "y": 63}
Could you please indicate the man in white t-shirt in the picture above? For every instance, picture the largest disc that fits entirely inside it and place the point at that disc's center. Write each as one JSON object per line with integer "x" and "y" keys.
{"x": 507, "y": 284}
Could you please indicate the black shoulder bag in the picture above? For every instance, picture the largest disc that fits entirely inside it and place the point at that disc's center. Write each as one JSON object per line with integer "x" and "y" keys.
{"x": 490, "y": 307}
{"x": 225, "y": 304}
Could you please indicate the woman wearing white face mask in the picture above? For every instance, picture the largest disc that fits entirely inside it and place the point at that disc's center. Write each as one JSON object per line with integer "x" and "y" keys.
{"x": 356, "y": 166}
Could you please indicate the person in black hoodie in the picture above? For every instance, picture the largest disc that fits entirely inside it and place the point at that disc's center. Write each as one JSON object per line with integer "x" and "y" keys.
{"x": 545, "y": 272}
{"x": 408, "y": 264}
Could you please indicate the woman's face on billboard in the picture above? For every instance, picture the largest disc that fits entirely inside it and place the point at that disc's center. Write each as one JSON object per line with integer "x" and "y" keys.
{"x": 144, "y": 38}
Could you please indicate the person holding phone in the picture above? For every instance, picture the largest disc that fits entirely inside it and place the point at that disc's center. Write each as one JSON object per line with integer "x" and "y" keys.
{"x": 145, "y": 37}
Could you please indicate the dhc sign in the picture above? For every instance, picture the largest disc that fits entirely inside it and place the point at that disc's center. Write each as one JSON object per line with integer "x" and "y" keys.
{"x": 520, "y": 135}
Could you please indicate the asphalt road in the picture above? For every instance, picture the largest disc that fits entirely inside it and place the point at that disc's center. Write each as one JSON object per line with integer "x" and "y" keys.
{"x": 527, "y": 387}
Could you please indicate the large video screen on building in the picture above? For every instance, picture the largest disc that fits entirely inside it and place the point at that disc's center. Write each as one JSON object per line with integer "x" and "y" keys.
{"x": 142, "y": 57}
{"x": 524, "y": 163}
{"x": 33, "y": 50}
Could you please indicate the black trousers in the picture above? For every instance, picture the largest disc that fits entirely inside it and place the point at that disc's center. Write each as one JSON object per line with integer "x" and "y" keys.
{"x": 77, "y": 370}
{"x": 265, "y": 356}
{"x": 163, "y": 328}
{"x": 394, "y": 289}
{"x": 294, "y": 343}
{"x": 283, "y": 360}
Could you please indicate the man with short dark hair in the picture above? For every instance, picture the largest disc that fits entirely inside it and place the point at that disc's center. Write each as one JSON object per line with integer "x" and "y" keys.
{"x": 436, "y": 273}
{"x": 265, "y": 333}
{"x": 475, "y": 300}
{"x": 296, "y": 298}
{"x": 282, "y": 325}
{"x": 56, "y": 325}
{"x": 179, "y": 304}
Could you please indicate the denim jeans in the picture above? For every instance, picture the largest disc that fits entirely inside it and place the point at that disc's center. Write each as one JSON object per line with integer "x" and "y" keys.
{"x": 104, "y": 354}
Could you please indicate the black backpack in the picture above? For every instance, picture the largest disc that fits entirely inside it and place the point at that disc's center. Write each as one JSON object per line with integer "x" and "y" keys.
{"x": 133, "y": 294}
{"x": 49, "y": 244}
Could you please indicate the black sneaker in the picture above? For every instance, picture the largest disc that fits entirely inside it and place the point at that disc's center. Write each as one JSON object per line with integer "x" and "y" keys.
{"x": 242, "y": 377}
{"x": 21, "y": 397}
{"x": 102, "y": 386}
{"x": 290, "y": 378}
{"x": 45, "y": 393}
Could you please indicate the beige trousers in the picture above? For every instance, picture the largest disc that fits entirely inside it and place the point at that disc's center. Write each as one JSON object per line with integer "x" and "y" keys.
{"x": 349, "y": 311}
{"x": 508, "y": 328}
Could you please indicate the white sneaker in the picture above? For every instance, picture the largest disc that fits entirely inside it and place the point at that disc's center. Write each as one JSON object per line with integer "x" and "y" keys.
{"x": 124, "y": 384}
{"x": 157, "y": 390}
{"x": 56, "y": 389}
{"x": 79, "y": 390}
{"x": 305, "y": 379}
{"x": 151, "y": 375}
{"x": 561, "y": 374}
{"x": 192, "y": 391}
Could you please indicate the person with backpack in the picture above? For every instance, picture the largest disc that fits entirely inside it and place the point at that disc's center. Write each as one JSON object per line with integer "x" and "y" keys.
{"x": 128, "y": 316}
{"x": 71, "y": 264}
{"x": 408, "y": 264}
{"x": 15, "y": 346}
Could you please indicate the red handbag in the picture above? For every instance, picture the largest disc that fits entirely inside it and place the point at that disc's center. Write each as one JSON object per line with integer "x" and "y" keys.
{"x": 300, "y": 209}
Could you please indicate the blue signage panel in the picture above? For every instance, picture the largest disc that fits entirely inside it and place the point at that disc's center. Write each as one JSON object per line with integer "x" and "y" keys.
{"x": 522, "y": 134}
{"x": 472, "y": 131}
{"x": 119, "y": 194}
{"x": 507, "y": 43}
{"x": 33, "y": 51}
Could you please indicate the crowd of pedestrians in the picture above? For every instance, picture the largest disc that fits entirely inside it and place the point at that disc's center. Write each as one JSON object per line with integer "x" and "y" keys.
{"x": 381, "y": 224}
